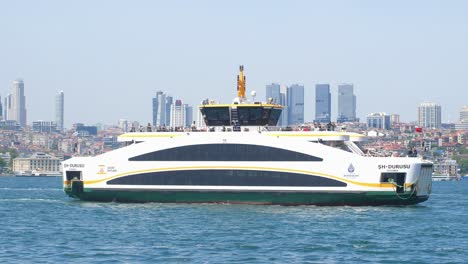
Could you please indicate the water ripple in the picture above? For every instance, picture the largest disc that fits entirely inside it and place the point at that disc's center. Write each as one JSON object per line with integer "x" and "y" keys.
{"x": 41, "y": 224}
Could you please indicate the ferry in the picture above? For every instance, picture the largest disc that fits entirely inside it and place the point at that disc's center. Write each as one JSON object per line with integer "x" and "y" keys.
{"x": 242, "y": 158}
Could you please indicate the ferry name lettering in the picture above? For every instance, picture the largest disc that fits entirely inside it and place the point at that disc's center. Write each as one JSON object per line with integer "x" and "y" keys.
{"x": 74, "y": 166}
{"x": 394, "y": 166}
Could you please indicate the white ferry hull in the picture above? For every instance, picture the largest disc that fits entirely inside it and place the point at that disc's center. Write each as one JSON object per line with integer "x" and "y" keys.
{"x": 299, "y": 172}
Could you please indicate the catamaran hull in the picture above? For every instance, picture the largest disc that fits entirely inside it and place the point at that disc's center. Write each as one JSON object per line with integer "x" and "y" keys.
{"x": 246, "y": 168}
{"x": 247, "y": 197}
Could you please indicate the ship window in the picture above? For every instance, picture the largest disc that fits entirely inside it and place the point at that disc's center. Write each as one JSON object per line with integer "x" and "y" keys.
{"x": 216, "y": 116}
{"x": 73, "y": 175}
{"x": 227, "y": 178}
{"x": 225, "y": 152}
{"x": 274, "y": 116}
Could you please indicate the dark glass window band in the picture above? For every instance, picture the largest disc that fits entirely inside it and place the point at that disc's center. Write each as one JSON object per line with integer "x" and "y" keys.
{"x": 228, "y": 178}
{"x": 224, "y": 152}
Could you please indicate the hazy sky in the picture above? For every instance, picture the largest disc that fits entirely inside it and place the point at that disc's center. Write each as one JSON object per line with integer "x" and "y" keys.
{"x": 110, "y": 57}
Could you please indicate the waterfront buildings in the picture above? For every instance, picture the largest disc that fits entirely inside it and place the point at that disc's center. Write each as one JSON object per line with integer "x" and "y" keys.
{"x": 159, "y": 109}
{"x": 38, "y": 162}
{"x": 295, "y": 104}
{"x": 5, "y": 156}
{"x": 15, "y": 103}
{"x": 429, "y": 115}
{"x": 447, "y": 167}
{"x": 378, "y": 121}
{"x": 59, "y": 110}
{"x": 322, "y": 103}
{"x": 346, "y": 103}
{"x": 178, "y": 112}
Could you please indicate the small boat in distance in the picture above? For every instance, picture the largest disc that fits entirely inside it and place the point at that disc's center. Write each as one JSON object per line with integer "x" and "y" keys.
{"x": 243, "y": 158}
{"x": 444, "y": 177}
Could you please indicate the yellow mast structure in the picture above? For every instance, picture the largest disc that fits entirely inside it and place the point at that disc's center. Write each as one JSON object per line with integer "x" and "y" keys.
{"x": 241, "y": 83}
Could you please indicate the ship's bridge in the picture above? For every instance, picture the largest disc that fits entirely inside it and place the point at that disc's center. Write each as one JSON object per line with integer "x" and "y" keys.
{"x": 256, "y": 114}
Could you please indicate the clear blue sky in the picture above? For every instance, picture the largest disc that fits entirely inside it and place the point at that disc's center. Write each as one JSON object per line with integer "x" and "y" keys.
{"x": 110, "y": 57}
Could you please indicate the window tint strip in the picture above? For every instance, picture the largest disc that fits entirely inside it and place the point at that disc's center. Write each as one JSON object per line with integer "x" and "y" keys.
{"x": 228, "y": 178}
{"x": 225, "y": 152}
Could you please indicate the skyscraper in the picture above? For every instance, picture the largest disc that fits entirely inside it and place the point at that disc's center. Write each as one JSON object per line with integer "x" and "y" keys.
{"x": 464, "y": 114}
{"x": 283, "y": 121}
{"x": 295, "y": 102}
{"x": 188, "y": 115}
{"x": 16, "y": 108}
{"x": 322, "y": 103}
{"x": 59, "y": 110}
{"x": 169, "y": 101}
{"x": 6, "y": 107}
{"x": 429, "y": 115}
{"x": 273, "y": 91}
{"x": 462, "y": 124}
{"x": 159, "y": 109}
{"x": 178, "y": 112}
{"x": 346, "y": 103}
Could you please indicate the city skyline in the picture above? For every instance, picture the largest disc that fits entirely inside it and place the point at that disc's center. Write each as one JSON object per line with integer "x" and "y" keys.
{"x": 397, "y": 53}
{"x": 287, "y": 96}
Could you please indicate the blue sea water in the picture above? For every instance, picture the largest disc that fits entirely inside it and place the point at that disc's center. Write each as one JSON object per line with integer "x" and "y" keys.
{"x": 40, "y": 224}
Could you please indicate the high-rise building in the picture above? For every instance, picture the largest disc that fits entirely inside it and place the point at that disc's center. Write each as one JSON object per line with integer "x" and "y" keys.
{"x": 178, "y": 114}
{"x": 346, "y": 103}
{"x": 429, "y": 115}
{"x": 188, "y": 115}
{"x": 322, "y": 103}
{"x": 169, "y": 101}
{"x": 283, "y": 120}
{"x": 59, "y": 110}
{"x": 464, "y": 113}
{"x": 16, "y": 108}
{"x": 463, "y": 123}
{"x": 295, "y": 102}
{"x": 123, "y": 124}
{"x": 159, "y": 109}
{"x": 378, "y": 121}
{"x": 6, "y": 106}
{"x": 273, "y": 92}
{"x": 394, "y": 119}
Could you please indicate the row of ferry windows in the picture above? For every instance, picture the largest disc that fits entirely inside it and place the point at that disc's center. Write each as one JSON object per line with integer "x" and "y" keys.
{"x": 225, "y": 152}
{"x": 227, "y": 178}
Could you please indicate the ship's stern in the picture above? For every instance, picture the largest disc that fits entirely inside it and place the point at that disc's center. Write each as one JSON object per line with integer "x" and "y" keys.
{"x": 423, "y": 182}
